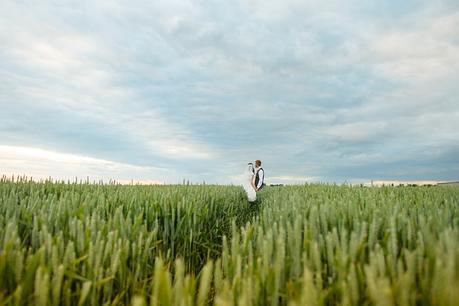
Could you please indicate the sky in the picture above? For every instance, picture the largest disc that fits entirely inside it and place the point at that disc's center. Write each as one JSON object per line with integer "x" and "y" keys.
{"x": 166, "y": 91}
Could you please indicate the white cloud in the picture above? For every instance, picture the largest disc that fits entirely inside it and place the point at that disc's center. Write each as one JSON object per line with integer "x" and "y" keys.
{"x": 356, "y": 131}
{"x": 74, "y": 72}
{"x": 420, "y": 109}
{"x": 41, "y": 163}
{"x": 421, "y": 53}
{"x": 289, "y": 179}
{"x": 195, "y": 84}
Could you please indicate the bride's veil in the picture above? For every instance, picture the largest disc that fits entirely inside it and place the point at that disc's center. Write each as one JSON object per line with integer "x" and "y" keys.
{"x": 248, "y": 173}
{"x": 249, "y": 169}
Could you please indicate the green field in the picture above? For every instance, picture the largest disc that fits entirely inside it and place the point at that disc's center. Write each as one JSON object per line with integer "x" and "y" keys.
{"x": 89, "y": 244}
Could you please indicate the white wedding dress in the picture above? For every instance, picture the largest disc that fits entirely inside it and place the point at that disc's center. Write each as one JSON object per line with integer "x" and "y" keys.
{"x": 247, "y": 183}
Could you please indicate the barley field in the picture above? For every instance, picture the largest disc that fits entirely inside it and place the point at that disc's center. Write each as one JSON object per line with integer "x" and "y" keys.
{"x": 317, "y": 244}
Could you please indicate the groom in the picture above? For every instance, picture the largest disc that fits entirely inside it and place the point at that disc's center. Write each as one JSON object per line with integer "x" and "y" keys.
{"x": 259, "y": 176}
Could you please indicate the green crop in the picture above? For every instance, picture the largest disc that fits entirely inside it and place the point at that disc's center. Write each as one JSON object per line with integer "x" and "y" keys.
{"x": 95, "y": 244}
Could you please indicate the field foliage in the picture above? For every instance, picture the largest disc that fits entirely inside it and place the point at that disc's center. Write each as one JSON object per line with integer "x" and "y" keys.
{"x": 95, "y": 244}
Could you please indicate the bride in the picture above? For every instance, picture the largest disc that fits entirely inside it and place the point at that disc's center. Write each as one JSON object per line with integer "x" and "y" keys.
{"x": 249, "y": 182}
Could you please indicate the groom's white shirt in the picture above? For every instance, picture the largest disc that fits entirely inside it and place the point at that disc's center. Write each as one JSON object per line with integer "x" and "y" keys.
{"x": 261, "y": 176}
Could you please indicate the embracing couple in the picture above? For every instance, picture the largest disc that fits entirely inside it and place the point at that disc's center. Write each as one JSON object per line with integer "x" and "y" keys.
{"x": 253, "y": 180}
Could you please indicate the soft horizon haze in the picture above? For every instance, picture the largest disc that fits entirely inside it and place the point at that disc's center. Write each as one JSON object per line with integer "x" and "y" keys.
{"x": 162, "y": 91}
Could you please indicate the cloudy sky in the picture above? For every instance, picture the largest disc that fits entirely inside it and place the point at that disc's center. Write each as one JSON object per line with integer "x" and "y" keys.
{"x": 162, "y": 91}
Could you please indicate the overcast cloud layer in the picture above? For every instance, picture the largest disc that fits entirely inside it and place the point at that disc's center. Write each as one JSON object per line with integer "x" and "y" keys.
{"x": 170, "y": 90}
